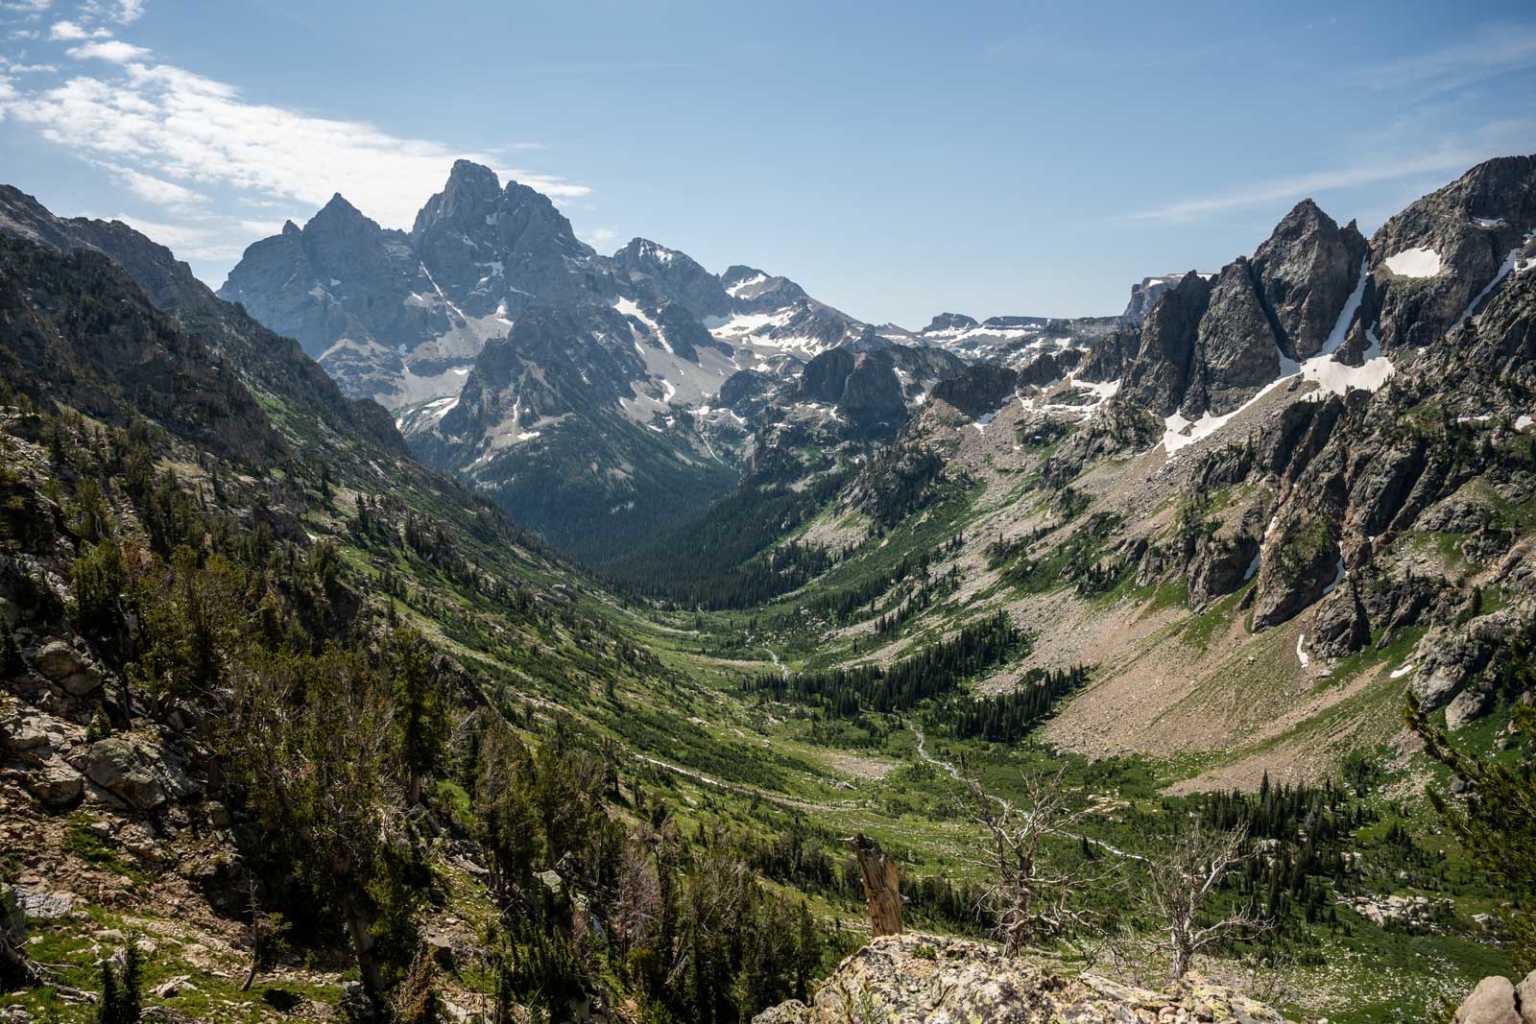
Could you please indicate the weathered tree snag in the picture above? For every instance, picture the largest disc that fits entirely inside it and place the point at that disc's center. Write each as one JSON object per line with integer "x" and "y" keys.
{"x": 882, "y": 885}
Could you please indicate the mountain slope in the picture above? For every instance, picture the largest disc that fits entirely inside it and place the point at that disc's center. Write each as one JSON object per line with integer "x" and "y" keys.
{"x": 1260, "y": 518}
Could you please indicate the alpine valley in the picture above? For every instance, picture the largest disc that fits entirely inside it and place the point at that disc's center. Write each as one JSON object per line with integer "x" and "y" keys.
{"x": 464, "y": 624}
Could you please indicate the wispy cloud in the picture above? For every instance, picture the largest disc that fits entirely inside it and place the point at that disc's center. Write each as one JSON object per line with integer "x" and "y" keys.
{"x": 155, "y": 190}
{"x": 1494, "y": 50}
{"x": 1300, "y": 186}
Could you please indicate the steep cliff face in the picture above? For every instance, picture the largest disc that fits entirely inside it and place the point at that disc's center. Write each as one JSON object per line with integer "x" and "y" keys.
{"x": 1158, "y": 376}
{"x": 1436, "y": 261}
{"x": 1236, "y": 349}
{"x": 1305, "y": 273}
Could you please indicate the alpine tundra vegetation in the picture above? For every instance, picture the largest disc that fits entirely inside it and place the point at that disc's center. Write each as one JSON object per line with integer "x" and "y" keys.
{"x": 458, "y": 621}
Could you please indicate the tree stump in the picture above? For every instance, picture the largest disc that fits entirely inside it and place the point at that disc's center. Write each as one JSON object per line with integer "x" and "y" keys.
{"x": 882, "y": 885}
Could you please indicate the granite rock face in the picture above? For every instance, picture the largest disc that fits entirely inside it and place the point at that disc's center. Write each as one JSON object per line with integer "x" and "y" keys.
{"x": 1158, "y": 376}
{"x": 1145, "y": 295}
{"x": 1497, "y": 1000}
{"x": 1433, "y": 261}
{"x": 1236, "y": 350}
{"x": 1305, "y": 272}
{"x": 978, "y": 389}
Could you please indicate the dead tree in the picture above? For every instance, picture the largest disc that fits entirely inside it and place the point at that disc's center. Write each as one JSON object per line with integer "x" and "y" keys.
{"x": 882, "y": 885}
{"x": 1030, "y": 897}
{"x": 1182, "y": 883}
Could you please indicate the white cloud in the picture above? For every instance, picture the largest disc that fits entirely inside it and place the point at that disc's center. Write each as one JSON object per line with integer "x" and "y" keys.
{"x": 173, "y": 124}
{"x": 124, "y": 12}
{"x": 114, "y": 50}
{"x": 70, "y": 31}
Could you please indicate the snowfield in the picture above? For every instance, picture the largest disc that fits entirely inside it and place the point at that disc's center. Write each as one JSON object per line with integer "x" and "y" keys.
{"x": 1418, "y": 262}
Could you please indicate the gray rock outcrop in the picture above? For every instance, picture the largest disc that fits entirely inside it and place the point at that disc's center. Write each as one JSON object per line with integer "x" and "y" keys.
{"x": 142, "y": 776}
{"x": 73, "y": 670}
{"x": 1236, "y": 349}
{"x": 910, "y": 979}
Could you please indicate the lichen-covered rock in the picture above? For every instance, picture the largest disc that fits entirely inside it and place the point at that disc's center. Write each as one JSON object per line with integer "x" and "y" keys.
{"x": 909, "y": 979}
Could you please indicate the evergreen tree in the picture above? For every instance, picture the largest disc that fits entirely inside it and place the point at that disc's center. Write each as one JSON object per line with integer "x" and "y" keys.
{"x": 420, "y": 710}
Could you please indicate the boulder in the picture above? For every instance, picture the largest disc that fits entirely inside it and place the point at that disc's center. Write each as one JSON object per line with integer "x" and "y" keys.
{"x": 175, "y": 987}
{"x": 73, "y": 671}
{"x": 792, "y": 1012}
{"x": 56, "y": 784}
{"x": 1492, "y": 1002}
{"x": 37, "y": 903}
{"x": 26, "y": 735}
{"x": 138, "y": 774}
{"x": 1525, "y": 996}
{"x": 1470, "y": 703}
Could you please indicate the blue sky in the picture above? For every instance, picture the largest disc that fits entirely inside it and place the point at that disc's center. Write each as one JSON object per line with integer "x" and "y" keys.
{"x": 897, "y": 159}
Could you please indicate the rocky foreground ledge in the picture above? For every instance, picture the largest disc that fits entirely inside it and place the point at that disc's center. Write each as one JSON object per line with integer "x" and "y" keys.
{"x": 909, "y": 979}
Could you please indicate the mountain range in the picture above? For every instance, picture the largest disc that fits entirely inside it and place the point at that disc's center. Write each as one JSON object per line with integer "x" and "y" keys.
{"x": 541, "y": 623}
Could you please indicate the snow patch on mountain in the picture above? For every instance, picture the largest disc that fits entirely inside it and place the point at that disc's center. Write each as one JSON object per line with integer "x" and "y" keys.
{"x": 1419, "y": 262}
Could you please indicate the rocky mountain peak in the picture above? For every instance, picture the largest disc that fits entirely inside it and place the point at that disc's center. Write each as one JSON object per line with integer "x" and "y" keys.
{"x": 1305, "y": 273}
{"x": 1439, "y": 257}
{"x": 466, "y": 201}
{"x": 337, "y": 209}
{"x": 950, "y": 322}
{"x": 667, "y": 275}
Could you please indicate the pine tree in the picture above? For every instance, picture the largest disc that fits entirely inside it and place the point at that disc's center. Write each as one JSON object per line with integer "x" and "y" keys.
{"x": 420, "y": 711}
